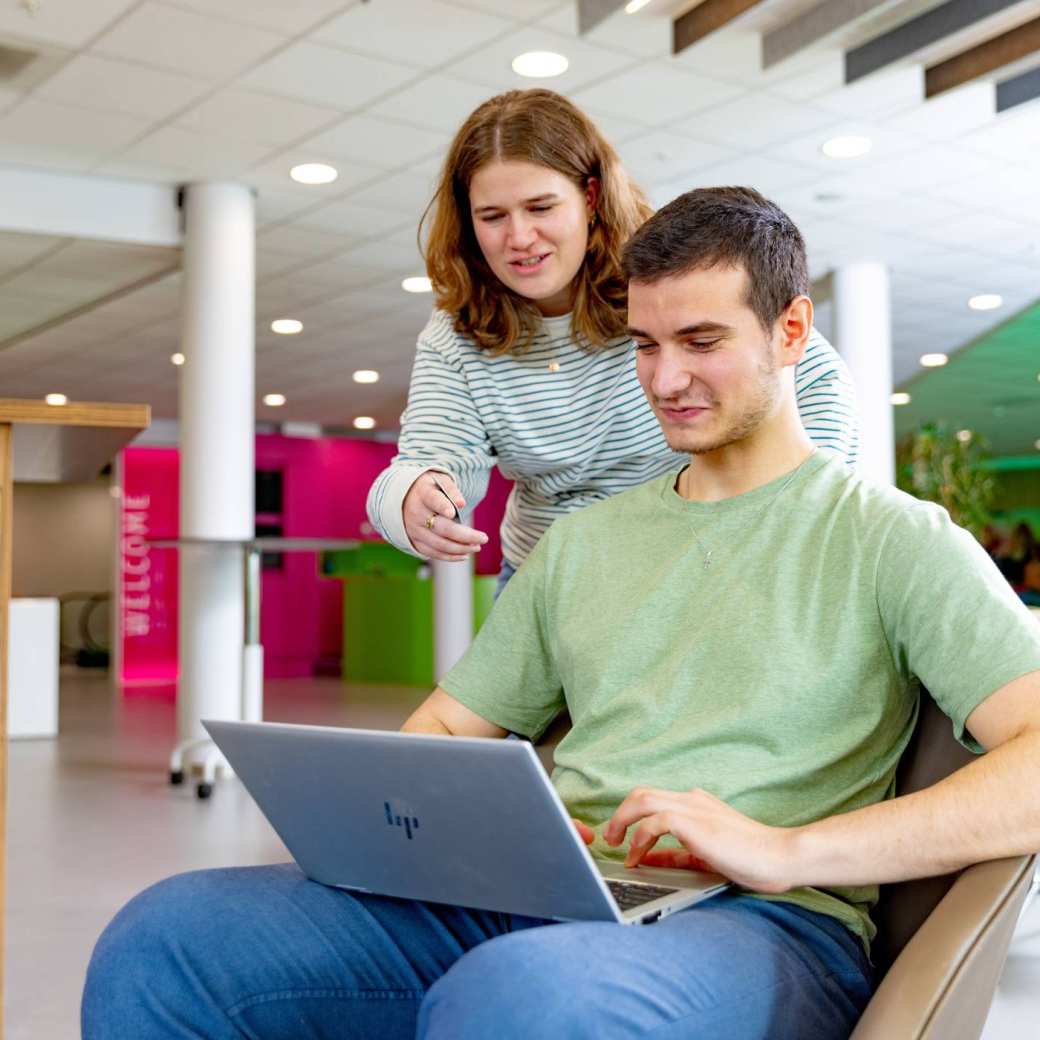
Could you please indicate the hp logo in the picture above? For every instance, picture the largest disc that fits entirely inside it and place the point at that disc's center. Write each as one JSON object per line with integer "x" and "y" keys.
{"x": 409, "y": 823}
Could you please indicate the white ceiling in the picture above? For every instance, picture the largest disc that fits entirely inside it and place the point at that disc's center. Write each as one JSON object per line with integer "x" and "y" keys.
{"x": 171, "y": 90}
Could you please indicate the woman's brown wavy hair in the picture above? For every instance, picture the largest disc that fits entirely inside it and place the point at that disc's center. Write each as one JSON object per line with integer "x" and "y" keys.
{"x": 536, "y": 126}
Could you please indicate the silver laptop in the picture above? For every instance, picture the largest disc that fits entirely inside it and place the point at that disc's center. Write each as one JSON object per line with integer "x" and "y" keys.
{"x": 461, "y": 820}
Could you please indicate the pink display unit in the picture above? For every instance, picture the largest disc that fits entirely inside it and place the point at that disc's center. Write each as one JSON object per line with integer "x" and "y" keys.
{"x": 324, "y": 483}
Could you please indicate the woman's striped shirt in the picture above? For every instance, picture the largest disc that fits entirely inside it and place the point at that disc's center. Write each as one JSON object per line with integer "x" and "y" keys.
{"x": 567, "y": 436}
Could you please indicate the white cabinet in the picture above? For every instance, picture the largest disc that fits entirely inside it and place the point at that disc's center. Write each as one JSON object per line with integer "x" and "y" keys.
{"x": 32, "y": 668}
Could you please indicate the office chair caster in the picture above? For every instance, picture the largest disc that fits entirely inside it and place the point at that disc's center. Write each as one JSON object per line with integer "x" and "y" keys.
{"x": 176, "y": 777}
{"x": 204, "y": 790}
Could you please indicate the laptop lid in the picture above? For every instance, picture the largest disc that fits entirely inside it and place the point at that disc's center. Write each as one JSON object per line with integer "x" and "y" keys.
{"x": 467, "y": 821}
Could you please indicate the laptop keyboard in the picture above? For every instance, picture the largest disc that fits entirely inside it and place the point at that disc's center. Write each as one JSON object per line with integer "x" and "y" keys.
{"x": 630, "y": 894}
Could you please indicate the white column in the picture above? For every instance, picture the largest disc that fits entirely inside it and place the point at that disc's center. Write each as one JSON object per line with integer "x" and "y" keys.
{"x": 217, "y": 427}
{"x": 452, "y": 613}
{"x": 863, "y": 337}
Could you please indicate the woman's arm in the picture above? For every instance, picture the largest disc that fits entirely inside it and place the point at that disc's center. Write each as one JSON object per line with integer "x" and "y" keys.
{"x": 441, "y": 430}
{"x": 827, "y": 399}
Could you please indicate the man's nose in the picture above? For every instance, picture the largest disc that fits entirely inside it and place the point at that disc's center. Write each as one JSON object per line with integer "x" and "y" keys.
{"x": 671, "y": 375}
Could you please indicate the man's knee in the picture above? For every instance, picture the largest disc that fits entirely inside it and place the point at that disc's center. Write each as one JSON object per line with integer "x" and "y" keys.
{"x": 525, "y": 984}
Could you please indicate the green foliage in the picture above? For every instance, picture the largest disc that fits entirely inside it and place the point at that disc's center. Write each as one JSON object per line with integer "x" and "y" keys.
{"x": 938, "y": 465}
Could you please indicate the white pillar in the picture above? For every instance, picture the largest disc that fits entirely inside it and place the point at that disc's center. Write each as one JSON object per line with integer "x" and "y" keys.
{"x": 217, "y": 427}
{"x": 452, "y": 613}
{"x": 863, "y": 337}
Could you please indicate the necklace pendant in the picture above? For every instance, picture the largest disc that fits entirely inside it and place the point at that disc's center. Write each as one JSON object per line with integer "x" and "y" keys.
{"x": 554, "y": 366}
{"x": 707, "y": 559}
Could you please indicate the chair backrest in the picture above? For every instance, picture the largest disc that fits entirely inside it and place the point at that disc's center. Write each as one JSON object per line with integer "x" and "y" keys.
{"x": 932, "y": 754}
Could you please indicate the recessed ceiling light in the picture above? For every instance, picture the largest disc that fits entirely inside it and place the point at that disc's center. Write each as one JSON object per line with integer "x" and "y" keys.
{"x": 364, "y": 422}
{"x": 314, "y": 173}
{"x": 286, "y": 326}
{"x": 540, "y": 64}
{"x": 847, "y": 146}
{"x": 417, "y": 284}
{"x": 177, "y": 359}
{"x": 56, "y": 399}
{"x": 900, "y": 398}
{"x": 274, "y": 400}
{"x": 985, "y": 302}
{"x": 635, "y": 5}
{"x": 934, "y": 360}
{"x": 366, "y": 375}
{"x": 964, "y": 436}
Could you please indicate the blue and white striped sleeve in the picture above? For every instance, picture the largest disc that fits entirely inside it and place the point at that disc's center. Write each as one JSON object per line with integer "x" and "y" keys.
{"x": 827, "y": 399}
{"x": 441, "y": 429}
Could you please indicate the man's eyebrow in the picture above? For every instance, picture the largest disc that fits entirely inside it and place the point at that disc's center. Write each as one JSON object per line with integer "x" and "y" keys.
{"x": 547, "y": 197}
{"x": 686, "y": 330}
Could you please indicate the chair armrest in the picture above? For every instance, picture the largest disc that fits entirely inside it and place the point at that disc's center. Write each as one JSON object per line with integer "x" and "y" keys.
{"x": 942, "y": 983}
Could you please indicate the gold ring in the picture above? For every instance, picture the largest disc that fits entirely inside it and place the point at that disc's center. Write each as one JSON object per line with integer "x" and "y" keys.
{"x": 429, "y": 521}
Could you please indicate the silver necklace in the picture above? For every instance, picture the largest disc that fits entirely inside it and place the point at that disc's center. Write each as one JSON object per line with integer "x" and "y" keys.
{"x": 706, "y": 553}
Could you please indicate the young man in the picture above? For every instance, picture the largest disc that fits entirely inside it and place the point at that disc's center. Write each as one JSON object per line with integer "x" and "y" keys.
{"x": 739, "y": 646}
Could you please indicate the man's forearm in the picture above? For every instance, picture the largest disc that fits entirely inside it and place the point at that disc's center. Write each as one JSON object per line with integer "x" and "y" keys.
{"x": 987, "y": 810}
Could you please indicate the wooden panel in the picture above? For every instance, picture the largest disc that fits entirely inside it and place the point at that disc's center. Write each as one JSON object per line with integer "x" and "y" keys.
{"x": 705, "y": 18}
{"x": 978, "y": 61}
{"x": 6, "y": 520}
{"x": 75, "y": 413}
{"x": 825, "y": 18}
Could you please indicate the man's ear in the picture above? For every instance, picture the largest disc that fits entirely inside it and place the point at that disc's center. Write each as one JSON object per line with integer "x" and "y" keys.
{"x": 794, "y": 327}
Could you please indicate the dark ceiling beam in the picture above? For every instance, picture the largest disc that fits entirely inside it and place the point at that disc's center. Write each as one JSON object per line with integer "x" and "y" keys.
{"x": 919, "y": 32}
{"x": 592, "y": 12}
{"x": 994, "y": 54}
{"x": 705, "y": 18}
{"x": 1018, "y": 90}
{"x": 825, "y": 18}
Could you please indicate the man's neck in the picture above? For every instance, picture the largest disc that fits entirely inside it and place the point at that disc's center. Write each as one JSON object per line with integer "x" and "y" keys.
{"x": 771, "y": 451}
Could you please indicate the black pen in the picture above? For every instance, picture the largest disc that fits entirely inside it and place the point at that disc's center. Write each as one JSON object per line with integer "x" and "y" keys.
{"x": 458, "y": 516}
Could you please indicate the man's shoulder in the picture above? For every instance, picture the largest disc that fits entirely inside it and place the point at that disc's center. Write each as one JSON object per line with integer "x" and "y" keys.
{"x": 622, "y": 508}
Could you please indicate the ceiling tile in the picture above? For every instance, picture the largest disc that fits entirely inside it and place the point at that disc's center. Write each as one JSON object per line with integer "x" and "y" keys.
{"x": 806, "y": 148}
{"x": 273, "y": 173}
{"x": 877, "y": 96}
{"x": 264, "y": 118}
{"x": 294, "y": 240}
{"x": 379, "y": 141}
{"x": 520, "y": 10}
{"x": 658, "y": 154}
{"x": 403, "y": 193}
{"x": 358, "y": 221}
{"x": 17, "y": 250}
{"x": 437, "y": 102}
{"x": 1014, "y": 135}
{"x": 822, "y": 78}
{"x": 492, "y": 64}
{"x": 42, "y": 133}
{"x": 656, "y": 95}
{"x": 754, "y": 121}
{"x": 112, "y": 85}
{"x": 423, "y": 33}
{"x": 187, "y": 42}
{"x": 327, "y": 76}
{"x": 71, "y": 23}
{"x": 208, "y": 156}
{"x": 949, "y": 115}
{"x": 282, "y": 16}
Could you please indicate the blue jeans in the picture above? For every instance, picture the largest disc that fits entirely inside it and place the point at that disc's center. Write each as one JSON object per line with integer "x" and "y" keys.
{"x": 263, "y": 953}
{"x": 505, "y": 572}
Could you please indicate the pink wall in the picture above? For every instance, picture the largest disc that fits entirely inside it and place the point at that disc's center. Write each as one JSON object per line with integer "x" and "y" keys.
{"x": 324, "y": 485}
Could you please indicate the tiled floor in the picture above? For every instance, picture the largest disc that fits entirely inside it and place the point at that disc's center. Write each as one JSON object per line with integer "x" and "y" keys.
{"x": 91, "y": 821}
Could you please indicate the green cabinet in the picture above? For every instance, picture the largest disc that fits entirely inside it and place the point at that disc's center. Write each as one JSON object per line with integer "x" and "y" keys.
{"x": 388, "y": 614}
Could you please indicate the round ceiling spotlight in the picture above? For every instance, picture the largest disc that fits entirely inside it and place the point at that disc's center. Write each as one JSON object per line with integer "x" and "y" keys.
{"x": 635, "y": 5}
{"x": 933, "y": 360}
{"x": 286, "y": 326}
{"x": 985, "y": 302}
{"x": 274, "y": 400}
{"x": 540, "y": 64}
{"x": 846, "y": 146}
{"x": 420, "y": 283}
{"x": 900, "y": 398}
{"x": 314, "y": 173}
{"x": 364, "y": 422}
{"x": 964, "y": 436}
{"x": 56, "y": 399}
{"x": 366, "y": 375}
{"x": 177, "y": 359}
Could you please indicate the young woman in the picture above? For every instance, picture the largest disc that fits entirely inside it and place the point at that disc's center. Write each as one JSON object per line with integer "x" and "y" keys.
{"x": 524, "y": 363}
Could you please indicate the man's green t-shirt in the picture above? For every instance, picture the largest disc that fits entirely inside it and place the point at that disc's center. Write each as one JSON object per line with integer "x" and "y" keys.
{"x": 783, "y": 678}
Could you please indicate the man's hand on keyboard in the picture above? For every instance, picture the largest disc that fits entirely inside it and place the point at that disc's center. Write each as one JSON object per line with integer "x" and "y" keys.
{"x": 588, "y": 835}
{"x": 714, "y": 837}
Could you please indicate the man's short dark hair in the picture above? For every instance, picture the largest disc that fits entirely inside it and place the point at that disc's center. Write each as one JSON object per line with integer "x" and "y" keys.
{"x": 724, "y": 227}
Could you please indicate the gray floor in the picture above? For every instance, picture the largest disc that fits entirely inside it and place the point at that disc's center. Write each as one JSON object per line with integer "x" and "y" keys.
{"x": 91, "y": 821}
